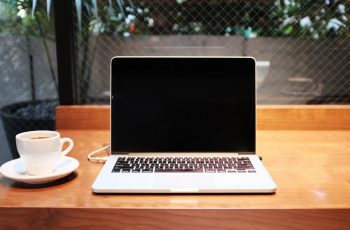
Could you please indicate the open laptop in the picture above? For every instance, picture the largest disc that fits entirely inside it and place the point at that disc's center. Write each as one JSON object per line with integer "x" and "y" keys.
{"x": 183, "y": 125}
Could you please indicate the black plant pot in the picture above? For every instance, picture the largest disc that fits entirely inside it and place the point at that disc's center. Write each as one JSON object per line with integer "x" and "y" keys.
{"x": 26, "y": 116}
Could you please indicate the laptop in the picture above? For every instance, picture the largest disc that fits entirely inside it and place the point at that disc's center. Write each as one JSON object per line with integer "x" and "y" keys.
{"x": 183, "y": 125}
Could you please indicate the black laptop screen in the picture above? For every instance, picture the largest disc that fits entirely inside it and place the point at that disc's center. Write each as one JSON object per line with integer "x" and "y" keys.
{"x": 183, "y": 105}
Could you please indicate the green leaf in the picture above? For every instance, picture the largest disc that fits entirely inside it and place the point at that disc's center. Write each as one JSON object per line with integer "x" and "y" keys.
{"x": 33, "y": 7}
{"x": 78, "y": 7}
{"x": 289, "y": 30}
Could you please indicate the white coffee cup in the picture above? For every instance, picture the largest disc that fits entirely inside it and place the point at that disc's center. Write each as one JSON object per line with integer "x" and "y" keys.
{"x": 41, "y": 150}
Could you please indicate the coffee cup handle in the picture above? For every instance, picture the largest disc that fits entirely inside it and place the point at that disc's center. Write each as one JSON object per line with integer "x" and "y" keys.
{"x": 70, "y": 146}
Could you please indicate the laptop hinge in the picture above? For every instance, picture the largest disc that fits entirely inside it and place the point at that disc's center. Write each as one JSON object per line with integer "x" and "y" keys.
{"x": 239, "y": 153}
{"x": 120, "y": 153}
{"x": 246, "y": 153}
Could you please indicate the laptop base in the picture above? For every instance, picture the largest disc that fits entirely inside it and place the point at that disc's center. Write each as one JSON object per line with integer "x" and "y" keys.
{"x": 259, "y": 182}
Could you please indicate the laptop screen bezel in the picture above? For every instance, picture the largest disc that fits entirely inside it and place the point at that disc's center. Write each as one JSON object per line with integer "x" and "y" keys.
{"x": 238, "y": 58}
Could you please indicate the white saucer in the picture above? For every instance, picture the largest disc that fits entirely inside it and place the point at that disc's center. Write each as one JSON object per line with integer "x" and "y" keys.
{"x": 16, "y": 170}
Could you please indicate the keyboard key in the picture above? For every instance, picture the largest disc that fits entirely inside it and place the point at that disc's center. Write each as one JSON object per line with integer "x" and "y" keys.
{"x": 122, "y": 167}
{"x": 163, "y": 170}
{"x": 192, "y": 170}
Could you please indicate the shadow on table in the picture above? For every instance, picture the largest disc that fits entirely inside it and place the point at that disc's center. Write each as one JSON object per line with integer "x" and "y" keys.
{"x": 22, "y": 185}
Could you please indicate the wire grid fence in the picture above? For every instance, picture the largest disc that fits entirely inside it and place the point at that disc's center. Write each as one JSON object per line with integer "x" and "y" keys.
{"x": 28, "y": 72}
{"x": 303, "y": 47}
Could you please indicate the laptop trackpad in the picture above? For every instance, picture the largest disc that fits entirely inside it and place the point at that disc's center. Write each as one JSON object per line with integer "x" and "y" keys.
{"x": 184, "y": 180}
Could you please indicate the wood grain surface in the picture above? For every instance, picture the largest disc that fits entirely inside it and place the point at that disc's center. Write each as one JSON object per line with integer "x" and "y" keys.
{"x": 299, "y": 117}
{"x": 310, "y": 168}
{"x": 192, "y": 219}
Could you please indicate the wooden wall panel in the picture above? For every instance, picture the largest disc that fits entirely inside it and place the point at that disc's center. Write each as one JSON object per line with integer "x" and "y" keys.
{"x": 83, "y": 117}
{"x": 303, "y": 117}
{"x": 308, "y": 117}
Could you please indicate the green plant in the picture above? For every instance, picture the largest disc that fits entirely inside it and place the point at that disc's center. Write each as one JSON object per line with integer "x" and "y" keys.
{"x": 310, "y": 18}
{"x": 113, "y": 18}
{"x": 118, "y": 19}
{"x": 277, "y": 18}
{"x": 18, "y": 20}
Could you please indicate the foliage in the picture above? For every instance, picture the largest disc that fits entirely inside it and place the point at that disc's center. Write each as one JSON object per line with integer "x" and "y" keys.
{"x": 18, "y": 19}
{"x": 310, "y": 18}
{"x": 116, "y": 19}
{"x": 112, "y": 18}
{"x": 294, "y": 18}
{"x": 275, "y": 18}
{"x": 34, "y": 18}
{"x": 108, "y": 17}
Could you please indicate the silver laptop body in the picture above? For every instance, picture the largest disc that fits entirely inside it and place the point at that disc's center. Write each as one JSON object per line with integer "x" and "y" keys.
{"x": 183, "y": 125}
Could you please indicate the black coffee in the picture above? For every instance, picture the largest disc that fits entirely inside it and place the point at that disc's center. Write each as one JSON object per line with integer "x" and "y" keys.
{"x": 36, "y": 138}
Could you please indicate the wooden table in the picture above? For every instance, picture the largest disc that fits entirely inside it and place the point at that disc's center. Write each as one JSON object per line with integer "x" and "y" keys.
{"x": 311, "y": 169}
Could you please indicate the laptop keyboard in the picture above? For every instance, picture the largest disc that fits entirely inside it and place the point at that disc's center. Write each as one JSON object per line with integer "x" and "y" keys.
{"x": 183, "y": 165}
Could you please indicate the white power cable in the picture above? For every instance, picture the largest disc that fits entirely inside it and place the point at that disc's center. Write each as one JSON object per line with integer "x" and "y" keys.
{"x": 98, "y": 159}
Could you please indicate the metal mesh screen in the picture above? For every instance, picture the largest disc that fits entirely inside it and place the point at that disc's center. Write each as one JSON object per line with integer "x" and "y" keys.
{"x": 28, "y": 72}
{"x": 302, "y": 47}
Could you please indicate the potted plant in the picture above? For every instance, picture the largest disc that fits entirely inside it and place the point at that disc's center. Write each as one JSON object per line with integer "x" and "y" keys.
{"x": 34, "y": 30}
{"x": 31, "y": 20}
